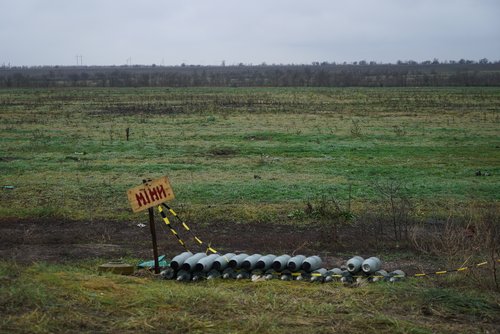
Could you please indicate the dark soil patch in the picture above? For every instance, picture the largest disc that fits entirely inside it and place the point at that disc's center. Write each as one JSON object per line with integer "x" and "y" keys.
{"x": 27, "y": 241}
{"x": 223, "y": 151}
{"x": 140, "y": 109}
{"x": 7, "y": 159}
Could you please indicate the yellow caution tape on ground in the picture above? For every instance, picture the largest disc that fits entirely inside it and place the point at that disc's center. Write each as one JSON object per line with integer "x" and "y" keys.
{"x": 174, "y": 232}
{"x": 185, "y": 226}
{"x": 443, "y": 272}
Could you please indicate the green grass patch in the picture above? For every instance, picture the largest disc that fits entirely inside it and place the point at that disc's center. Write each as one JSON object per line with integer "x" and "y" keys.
{"x": 42, "y": 298}
{"x": 251, "y": 146}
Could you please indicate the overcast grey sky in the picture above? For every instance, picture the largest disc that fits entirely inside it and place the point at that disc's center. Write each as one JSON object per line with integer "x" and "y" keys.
{"x": 107, "y": 32}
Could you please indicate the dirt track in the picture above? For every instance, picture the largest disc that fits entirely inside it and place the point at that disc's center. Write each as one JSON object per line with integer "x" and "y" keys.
{"x": 62, "y": 241}
{"x": 49, "y": 240}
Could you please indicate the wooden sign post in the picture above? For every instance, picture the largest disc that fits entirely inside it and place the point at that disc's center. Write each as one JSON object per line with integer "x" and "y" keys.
{"x": 151, "y": 193}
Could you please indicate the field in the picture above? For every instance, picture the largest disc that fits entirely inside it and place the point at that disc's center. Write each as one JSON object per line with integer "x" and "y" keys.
{"x": 334, "y": 171}
{"x": 251, "y": 147}
{"x": 69, "y": 298}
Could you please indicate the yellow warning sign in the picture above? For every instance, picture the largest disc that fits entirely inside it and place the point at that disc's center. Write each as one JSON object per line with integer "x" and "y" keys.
{"x": 150, "y": 194}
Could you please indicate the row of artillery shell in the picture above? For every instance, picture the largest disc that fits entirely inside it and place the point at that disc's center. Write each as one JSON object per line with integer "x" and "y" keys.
{"x": 200, "y": 262}
{"x": 320, "y": 275}
{"x": 188, "y": 266}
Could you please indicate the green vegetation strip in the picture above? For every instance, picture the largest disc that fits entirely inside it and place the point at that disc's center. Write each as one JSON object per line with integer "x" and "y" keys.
{"x": 66, "y": 153}
{"x": 43, "y": 298}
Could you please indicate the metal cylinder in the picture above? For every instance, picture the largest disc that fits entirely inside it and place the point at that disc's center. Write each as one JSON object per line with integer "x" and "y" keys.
{"x": 189, "y": 264}
{"x": 346, "y": 273}
{"x": 301, "y": 275}
{"x": 380, "y": 275}
{"x": 265, "y": 262}
{"x": 347, "y": 277}
{"x": 396, "y": 275}
{"x": 213, "y": 274}
{"x": 198, "y": 275}
{"x": 318, "y": 275}
{"x": 257, "y": 275}
{"x": 371, "y": 265}
{"x": 222, "y": 262}
{"x": 243, "y": 274}
{"x": 229, "y": 273}
{"x": 336, "y": 272}
{"x": 237, "y": 260}
{"x": 286, "y": 275}
{"x": 206, "y": 263}
{"x": 183, "y": 275}
{"x": 295, "y": 263}
{"x": 271, "y": 274}
{"x": 280, "y": 262}
{"x": 312, "y": 263}
{"x": 178, "y": 260}
{"x": 354, "y": 264}
{"x": 250, "y": 262}
{"x": 168, "y": 273}
{"x": 333, "y": 275}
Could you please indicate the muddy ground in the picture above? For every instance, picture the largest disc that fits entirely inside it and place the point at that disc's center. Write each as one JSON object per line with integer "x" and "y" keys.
{"x": 26, "y": 241}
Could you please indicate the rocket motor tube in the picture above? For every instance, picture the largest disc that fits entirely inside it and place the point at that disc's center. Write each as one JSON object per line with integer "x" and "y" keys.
{"x": 178, "y": 260}
{"x": 371, "y": 265}
{"x": 189, "y": 264}
{"x": 281, "y": 262}
{"x": 318, "y": 275}
{"x": 354, "y": 264}
{"x": 295, "y": 263}
{"x": 265, "y": 262}
{"x": 250, "y": 262}
{"x": 206, "y": 263}
{"x": 312, "y": 263}
{"x": 237, "y": 260}
{"x": 222, "y": 261}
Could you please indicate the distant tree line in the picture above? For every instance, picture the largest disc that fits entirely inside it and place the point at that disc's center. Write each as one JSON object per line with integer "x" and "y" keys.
{"x": 357, "y": 74}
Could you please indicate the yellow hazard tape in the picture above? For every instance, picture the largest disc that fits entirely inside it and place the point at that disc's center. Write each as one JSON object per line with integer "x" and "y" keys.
{"x": 184, "y": 225}
{"x": 174, "y": 232}
{"x": 443, "y": 272}
{"x": 211, "y": 249}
